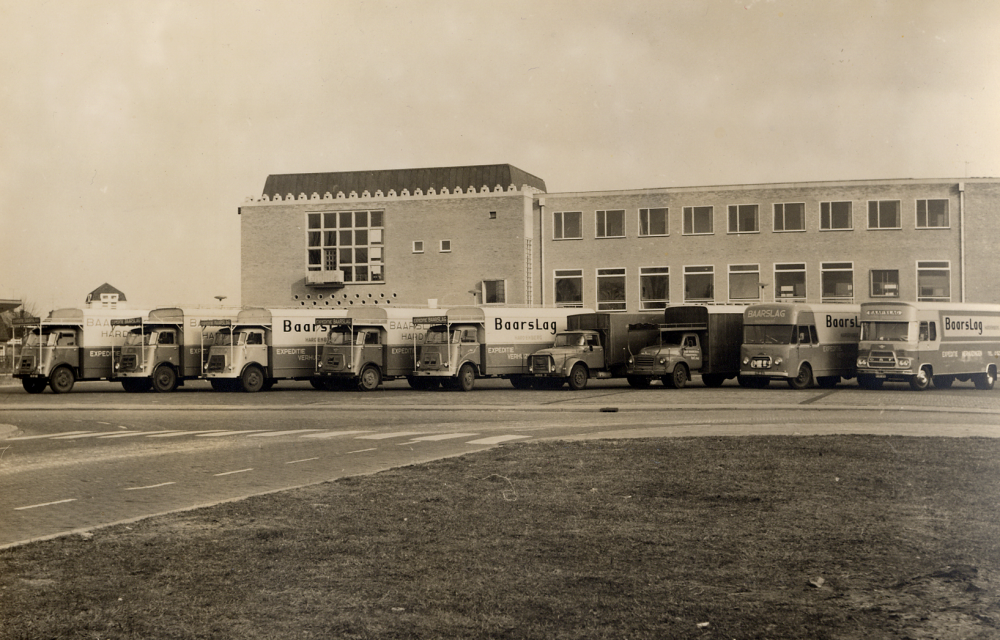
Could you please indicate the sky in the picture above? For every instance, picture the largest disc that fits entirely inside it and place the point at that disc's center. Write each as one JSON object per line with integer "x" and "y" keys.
{"x": 132, "y": 131}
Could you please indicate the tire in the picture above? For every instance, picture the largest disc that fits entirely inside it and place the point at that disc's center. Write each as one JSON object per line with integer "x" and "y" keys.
{"x": 870, "y": 382}
{"x": 827, "y": 382}
{"x": 137, "y": 385}
{"x": 164, "y": 379}
{"x": 985, "y": 381}
{"x": 677, "y": 378}
{"x": 943, "y": 382}
{"x": 713, "y": 380}
{"x": 921, "y": 381}
{"x": 639, "y": 382}
{"x": 578, "y": 377}
{"x": 62, "y": 380}
{"x": 466, "y": 378}
{"x": 34, "y": 385}
{"x": 370, "y": 379}
{"x": 804, "y": 379}
{"x": 252, "y": 379}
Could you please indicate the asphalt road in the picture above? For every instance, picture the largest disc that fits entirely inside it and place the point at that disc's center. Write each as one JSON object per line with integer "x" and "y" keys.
{"x": 98, "y": 455}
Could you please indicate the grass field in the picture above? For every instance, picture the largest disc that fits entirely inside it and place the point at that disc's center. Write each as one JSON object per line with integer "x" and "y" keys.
{"x": 751, "y": 537}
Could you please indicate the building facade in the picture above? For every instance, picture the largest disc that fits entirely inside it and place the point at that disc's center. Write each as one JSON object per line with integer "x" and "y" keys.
{"x": 492, "y": 235}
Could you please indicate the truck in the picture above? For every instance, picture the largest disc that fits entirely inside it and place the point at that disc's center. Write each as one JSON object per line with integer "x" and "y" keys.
{"x": 262, "y": 346}
{"x": 68, "y": 345}
{"x": 594, "y": 345}
{"x": 164, "y": 349}
{"x": 801, "y": 343}
{"x": 693, "y": 339}
{"x": 928, "y": 342}
{"x": 369, "y": 346}
{"x": 472, "y": 342}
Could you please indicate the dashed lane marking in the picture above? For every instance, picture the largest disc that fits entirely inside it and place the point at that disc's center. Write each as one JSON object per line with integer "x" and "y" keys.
{"x": 51, "y": 435}
{"x": 99, "y": 434}
{"x": 271, "y": 434}
{"x": 175, "y": 434}
{"x": 332, "y": 434}
{"x": 151, "y": 486}
{"x": 442, "y": 436}
{"x": 216, "y": 434}
{"x": 229, "y": 473}
{"x": 44, "y": 504}
{"x": 496, "y": 439}
{"x": 303, "y": 460}
{"x": 132, "y": 434}
{"x": 384, "y": 436}
{"x": 363, "y": 450}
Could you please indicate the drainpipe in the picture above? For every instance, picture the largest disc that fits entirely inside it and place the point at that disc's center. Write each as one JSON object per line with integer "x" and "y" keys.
{"x": 541, "y": 245}
{"x": 961, "y": 237}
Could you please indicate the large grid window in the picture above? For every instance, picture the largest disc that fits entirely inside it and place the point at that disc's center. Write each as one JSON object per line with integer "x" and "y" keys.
{"x": 836, "y": 216}
{"x": 349, "y": 241}
{"x": 653, "y": 222}
{"x": 611, "y": 289}
{"x": 611, "y": 224}
{"x": 790, "y": 281}
{"x": 790, "y": 216}
{"x": 885, "y": 283}
{"x": 932, "y": 214}
{"x": 744, "y": 282}
{"x": 699, "y": 283}
{"x": 934, "y": 281}
{"x": 567, "y": 225}
{"x": 837, "y": 281}
{"x": 654, "y": 287}
{"x": 883, "y": 214}
{"x": 698, "y": 221}
{"x": 569, "y": 287}
{"x": 744, "y": 218}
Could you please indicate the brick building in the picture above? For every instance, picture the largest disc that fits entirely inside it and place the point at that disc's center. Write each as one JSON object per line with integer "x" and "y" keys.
{"x": 491, "y": 234}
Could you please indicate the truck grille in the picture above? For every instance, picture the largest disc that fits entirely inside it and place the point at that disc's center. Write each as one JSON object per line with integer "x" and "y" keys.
{"x": 541, "y": 364}
{"x": 217, "y": 364}
{"x": 128, "y": 362}
{"x": 335, "y": 362}
{"x": 26, "y": 364}
{"x": 882, "y": 359}
{"x": 643, "y": 362}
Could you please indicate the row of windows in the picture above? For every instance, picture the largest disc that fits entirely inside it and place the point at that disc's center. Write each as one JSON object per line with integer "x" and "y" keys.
{"x": 745, "y": 218}
{"x": 744, "y": 284}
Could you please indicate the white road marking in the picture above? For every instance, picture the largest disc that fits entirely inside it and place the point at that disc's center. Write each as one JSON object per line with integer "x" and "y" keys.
{"x": 384, "y": 436}
{"x": 50, "y": 435}
{"x": 152, "y": 486}
{"x": 331, "y": 434}
{"x": 442, "y": 436}
{"x": 44, "y": 504}
{"x": 99, "y": 434}
{"x": 107, "y": 423}
{"x": 229, "y": 473}
{"x": 303, "y": 460}
{"x": 271, "y": 434}
{"x": 216, "y": 434}
{"x": 496, "y": 439}
{"x": 363, "y": 450}
{"x": 132, "y": 434}
{"x": 174, "y": 434}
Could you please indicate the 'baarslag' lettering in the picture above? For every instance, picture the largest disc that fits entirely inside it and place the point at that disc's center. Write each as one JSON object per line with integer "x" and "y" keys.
{"x": 525, "y": 325}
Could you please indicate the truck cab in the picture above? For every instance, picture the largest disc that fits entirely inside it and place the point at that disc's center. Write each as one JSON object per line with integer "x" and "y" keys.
{"x": 678, "y": 354}
{"x": 451, "y": 352}
{"x": 49, "y": 356}
{"x": 353, "y": 353}
{"x": 238, "y": 359}
{"x": 571, "y": 358}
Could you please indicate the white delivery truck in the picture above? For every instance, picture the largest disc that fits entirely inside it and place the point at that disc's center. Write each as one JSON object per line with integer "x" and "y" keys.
{"x": 370, "y": 345}
{"x": 800, "y": 343}
{"x": 262, "y": 346}
{"x": 921, "y": 342}
{"x": 69, "y": 345}
{"x": 165, "y": 348}
{"x": 480, "y": 342}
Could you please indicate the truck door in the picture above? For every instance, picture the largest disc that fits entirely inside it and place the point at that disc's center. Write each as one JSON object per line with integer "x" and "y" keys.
{"x": 369, "y": 348}
{"x": 255, "y": 347}
{"x": 806, "y": 341}
{"x": 691, "y": 350}
{"x": 167, "y": 347}
{"x": 594, "y": 352}
{"x": 468, "y": 346}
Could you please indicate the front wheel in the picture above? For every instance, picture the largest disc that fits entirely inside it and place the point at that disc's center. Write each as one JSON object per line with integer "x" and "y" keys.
{"x": 804, "y": 379}
{"x": 466, "y": 377}
{"x": 370, "y": 379}
{"x": 921, "y": 381}
{"x": 677, "y": 378}
{"x": 164, "y": 379}
{"x": 33, "y": 385}
{"x": 62, "y": 380}
{"x": 985, "y": 381}
{"x": 578, "y": 377}
{"x": 252, "y": 379}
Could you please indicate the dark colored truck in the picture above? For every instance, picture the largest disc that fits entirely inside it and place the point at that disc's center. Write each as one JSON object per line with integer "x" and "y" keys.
{"x": 594, "y": 345}
{"x": 703, "y": 339}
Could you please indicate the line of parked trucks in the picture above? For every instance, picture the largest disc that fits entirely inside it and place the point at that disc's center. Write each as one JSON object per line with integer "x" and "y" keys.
{"x": 251, "y": 350}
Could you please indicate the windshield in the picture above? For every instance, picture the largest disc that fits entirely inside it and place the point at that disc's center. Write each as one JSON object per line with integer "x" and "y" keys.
{"x": 768, "y": 334}
{"x": 436, "y": 336}
{"x": 135, "y": 338}
{"x": 224, "y": 338}
{"x": 885, "y": 331}
{"x": 339, "y": 336}
{"x": 570, "y": 340}
{"x": 31, "y": 340}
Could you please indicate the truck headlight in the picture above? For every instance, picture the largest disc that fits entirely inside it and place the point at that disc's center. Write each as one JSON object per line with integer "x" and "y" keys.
{"x": 319, "y": 365}
{"x": 904, "y": 362}
{"x": 663, "y": 361}
{"x": 631, "y": 360}
{"x": 778, "y": 361}
{"x": 746, "y": 359}
{"x": 862, "y": 362}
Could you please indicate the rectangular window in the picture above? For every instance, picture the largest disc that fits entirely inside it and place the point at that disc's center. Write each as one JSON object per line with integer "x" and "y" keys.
{"x": 652, "y": 222}
{"x": 837, "y": 281}
{"x": 567, "y": 225}
{"x": 654, "y": 286}
{"x": 698, "y": 220}
{"x": 744, "y": 282}
{"x": 494, "y": 292}
{"x": 934, "y": 281}
{"x": 790, "y": 281}
{"x": 744, "y": 218}
{"x": 932, "y": 214}
{"x": 569, "y": 287}
{"x": 446, "y": 246}
{"x": 418, "y": 246}
{"x": 836, "y": 216}
{"x": 885, "y": 283}
{"x": 611, "y": 224}
{"x": 611, "y": 289}
{"x": 883, "y": 214}
{"x": 790, "y": 216}
{"x": 699, "y": 284}
{"x": 346, "y": 241}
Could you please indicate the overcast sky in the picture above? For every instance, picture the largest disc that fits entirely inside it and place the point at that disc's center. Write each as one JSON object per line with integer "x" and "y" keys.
{"x": 132, "y": 131}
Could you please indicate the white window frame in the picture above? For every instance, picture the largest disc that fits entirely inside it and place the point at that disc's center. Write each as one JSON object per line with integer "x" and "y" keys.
{"x": 653, "y": 303}
{"x": 666, "y": 222}
{"x": 829, "y": 204}
{"x": 835, "y": 267}
{"x": 878, "y": 204}
{"x": 609, "y": 273}
{"x": 603, "y": 213}
{"x": 418, "y": 246}
{"x": 934, "y": 265}
{"x": 690, "y": 211}
{"x": 791, "y": 267}
{"x": 698, "y": 270}
{"x": 445, "y": 246}
{"x": 742, "y": 269}
{"x": 871, "y": 284}
{"x": 567, "y": 274}
{"x": 737, "y": 207}
{"x": 561, "y": 225}
{"x": 783, "y": 205}
{"x": 926, "y": 201}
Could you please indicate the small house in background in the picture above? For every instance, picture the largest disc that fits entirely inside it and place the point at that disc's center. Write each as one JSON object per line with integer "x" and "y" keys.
{"x": 106, "y": 297}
